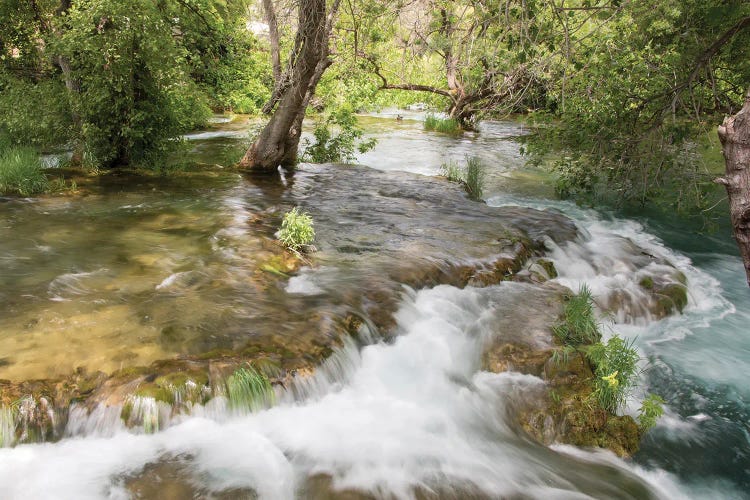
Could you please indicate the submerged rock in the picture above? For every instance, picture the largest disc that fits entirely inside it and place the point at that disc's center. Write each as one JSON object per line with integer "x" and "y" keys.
{"x": 376, "y": 232}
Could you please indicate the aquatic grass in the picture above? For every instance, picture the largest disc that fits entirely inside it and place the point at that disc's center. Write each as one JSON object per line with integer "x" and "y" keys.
{"x": 471, "y": 176}
{"x": 452, "y": 171}
{"x": 579, "y": 325}
{"x": 296, "y": 230}
{"x": 443, "y": 125}
{"x": 21, "y": 172}
{"x": 249, "y": 389}
{"x": 474, "y": 178}
{"x": 615, "y": 372}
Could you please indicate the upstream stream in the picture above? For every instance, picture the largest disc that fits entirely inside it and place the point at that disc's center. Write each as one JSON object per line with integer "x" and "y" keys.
{"x": 155, "y": 271}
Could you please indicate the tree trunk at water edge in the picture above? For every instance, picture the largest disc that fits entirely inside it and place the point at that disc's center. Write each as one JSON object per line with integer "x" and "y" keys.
{"x": 734, "y": 134}
{"x": 278, "y": 142}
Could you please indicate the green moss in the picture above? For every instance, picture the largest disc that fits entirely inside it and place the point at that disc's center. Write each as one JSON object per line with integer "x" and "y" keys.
{"x": 647, "y": 283}
{"x": 673, "y": 297}
{"x": 215, "y": 354}
{"x": 548, "y": 266}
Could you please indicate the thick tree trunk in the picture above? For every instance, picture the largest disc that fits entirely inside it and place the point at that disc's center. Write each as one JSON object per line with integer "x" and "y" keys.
{"x": 735, "y": 139}
{"x": 279, "y": 140}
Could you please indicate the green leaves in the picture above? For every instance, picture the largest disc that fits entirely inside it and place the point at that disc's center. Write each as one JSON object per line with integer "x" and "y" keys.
{"x": 337, "y": 137}
{"x": 296, "y": 230}
{"x": 615, "y": 373}
{"x": 579, "y": 325}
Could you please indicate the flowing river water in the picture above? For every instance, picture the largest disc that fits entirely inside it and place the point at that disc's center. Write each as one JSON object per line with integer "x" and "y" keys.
{"x": 152, "y": 269}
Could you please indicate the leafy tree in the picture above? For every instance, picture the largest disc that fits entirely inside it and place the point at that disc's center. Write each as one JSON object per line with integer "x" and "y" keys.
{"x": 641, "y": 82}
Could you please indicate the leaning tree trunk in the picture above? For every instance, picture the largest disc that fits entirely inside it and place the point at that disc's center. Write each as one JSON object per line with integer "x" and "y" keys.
{"x": 279, "y": 140}
{"x": 734, "y": 134}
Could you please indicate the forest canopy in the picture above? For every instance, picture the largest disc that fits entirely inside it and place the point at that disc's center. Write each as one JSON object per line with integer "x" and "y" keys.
{"x": 622, "y": 97}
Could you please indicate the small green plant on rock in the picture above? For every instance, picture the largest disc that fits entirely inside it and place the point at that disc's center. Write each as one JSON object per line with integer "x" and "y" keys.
{"x": 471, "y": 177}
{"x": 650, "y": 411}
{"x": 452, "y": 171}
{"x": 249, "y": 389}
{"x": 579, "y": 325}
{"x": 296, "y": 230}
{"x": 615, "y": 371}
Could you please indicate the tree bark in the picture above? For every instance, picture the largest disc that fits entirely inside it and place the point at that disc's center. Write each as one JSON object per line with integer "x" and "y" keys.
{"x": 734, "y": 134}
{"x": 278, "y": 142}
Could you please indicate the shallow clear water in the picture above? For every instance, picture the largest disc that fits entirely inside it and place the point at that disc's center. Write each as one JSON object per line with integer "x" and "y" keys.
{"x": 412, "y": 417}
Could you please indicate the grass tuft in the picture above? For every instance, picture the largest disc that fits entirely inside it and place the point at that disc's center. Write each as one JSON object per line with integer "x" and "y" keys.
{"x": 475, "y": 174}
{"x": 471, "y": 177}
{"x": 579, "y": 325}
{"x": 21, "y": 172}
{"x": 249, "y": 389}
{"x": 452, "y": 171}
{"x": 443, "y": 125}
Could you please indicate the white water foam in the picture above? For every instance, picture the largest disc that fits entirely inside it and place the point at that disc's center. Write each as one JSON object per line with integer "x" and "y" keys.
{"x": 416, "y": 413}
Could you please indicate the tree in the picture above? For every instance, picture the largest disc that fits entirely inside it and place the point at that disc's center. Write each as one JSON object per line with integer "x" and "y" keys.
{"x": 278, "y": 142}
{"x": 125, "y": 78}
{"x": 734, "y": 134}
{"x": 490, "y": 52}
{"x": 632, "y": 101}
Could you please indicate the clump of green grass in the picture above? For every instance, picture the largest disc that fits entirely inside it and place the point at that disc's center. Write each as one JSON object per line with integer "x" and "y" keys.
{"x": 249, "y": 389}
{"x": 579, "y": 325}
{"x": 471, "y": 176}
{"x": 474, "y": 182}
{"x": 296, "y": 230}
{"x": 615, "y": 373}
{"x": 21, "y": 172}
{"x": 452, "y": 171}
{"x": 444, "y": 125}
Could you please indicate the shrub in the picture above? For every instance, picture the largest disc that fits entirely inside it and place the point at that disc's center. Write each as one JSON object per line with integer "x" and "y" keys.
{"x": 21, "y": 172}
{"x": 444, "y": 125}
{"x": 616, "y": 364}
{"x": 474, "y": 182}
{"x": 249, "y": 389}
{"x": 296, "y": 230}
{"x": 579, "y": 325}
{"x": 330, "y": 147}
{"x": 650, "y": 411}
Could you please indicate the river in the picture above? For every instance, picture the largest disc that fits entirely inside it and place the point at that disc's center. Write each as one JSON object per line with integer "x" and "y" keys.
{"x": 141, "y": 271}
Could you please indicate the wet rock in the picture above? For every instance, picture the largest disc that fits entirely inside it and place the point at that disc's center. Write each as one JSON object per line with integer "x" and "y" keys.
{"x": 566, "y": 413}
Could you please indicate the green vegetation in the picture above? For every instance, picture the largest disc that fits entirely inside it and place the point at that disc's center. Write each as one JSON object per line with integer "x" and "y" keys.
{"x": 296, "y": 230}
{"x": 475, "y": 175}
{"x": 579, "y": 326}
{"x": 249, "y": 389}
{"x": 452, "y": 171}
{"x": 615, "y": 373}
{"x": 614, "y": 363}
{"x": 443, "y": 125}
{"x": 650, "y": 411}
{"x": 471, "y": 176}
{"x": 21, "y": 172}
{"x": 337, "y": 136}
